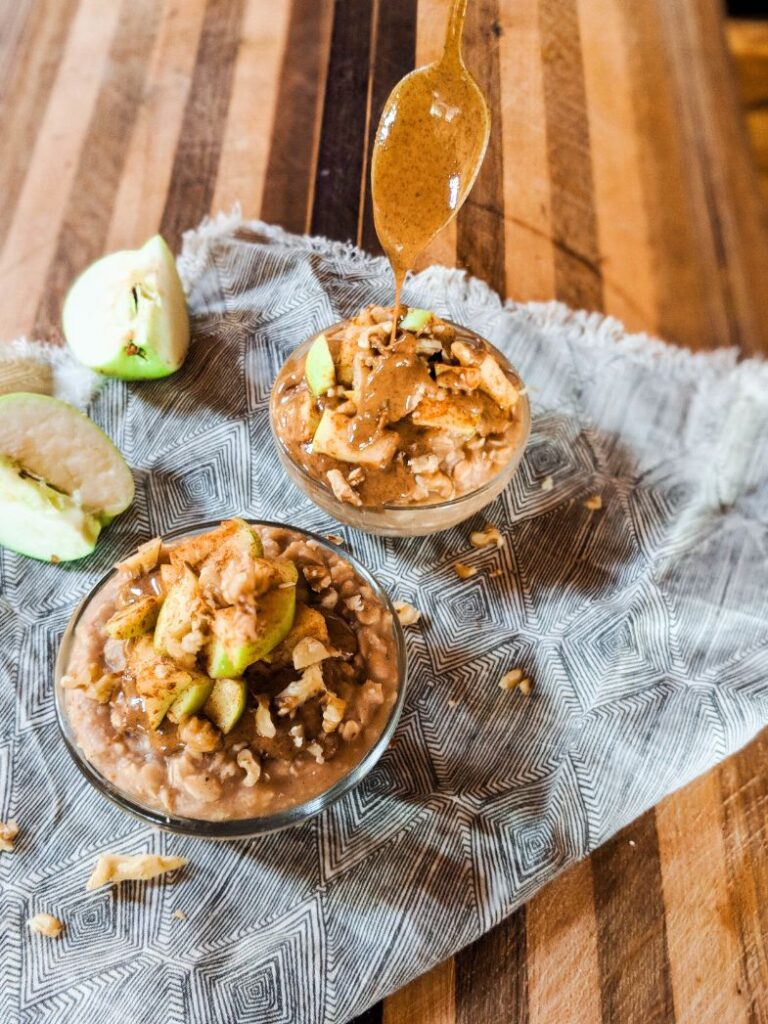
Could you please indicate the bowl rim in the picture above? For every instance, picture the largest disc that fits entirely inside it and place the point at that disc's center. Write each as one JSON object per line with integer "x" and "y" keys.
{"x": 449, "y": 503}
{"x": 234, "y": 828}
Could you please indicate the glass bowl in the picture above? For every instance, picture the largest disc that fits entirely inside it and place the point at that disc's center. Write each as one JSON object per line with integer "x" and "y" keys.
{"x": 404, "y": 520}
{"x": 235, "y": 828}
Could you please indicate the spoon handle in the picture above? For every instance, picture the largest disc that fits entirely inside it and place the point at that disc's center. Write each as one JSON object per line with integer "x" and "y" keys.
{"x": 452, "y": 48}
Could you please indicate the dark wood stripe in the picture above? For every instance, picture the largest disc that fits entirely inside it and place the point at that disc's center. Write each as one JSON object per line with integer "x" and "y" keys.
{"x": 374, "y": 1015}
{"x": 32, "y": 73}
{"x": 193, "y": 179}
{"x": 291, "y": 168}
{"x": 479, "y": 241}
{"x": 578, "y": 277}
{"x": 336, "y": 205}
{"x": 102, "y": 157}
{"x": 491, "y": 981}
{"x": 744, "y": 785}
{"x": 394, "y": 57}
{"x": 632, "y": 945}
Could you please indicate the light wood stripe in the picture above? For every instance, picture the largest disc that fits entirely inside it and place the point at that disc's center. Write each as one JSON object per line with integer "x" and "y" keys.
{"x": 102, "y": 157}
{"x": 197, "y": 154}
{"x": 32, "y": 237}
{"x": 245, "y": 149}
{"x": 561, "y": 955}
{"x": 26, "y": 88}
{"x": 578, "y": 277}
{"x": 430, "y": 999}
{"x": 700, "y": 923}
{"x": 479, "y": 243}
{"x": 629, "y": 283}
{"x": 491, "y": 983}
{"x": 289, "y": 188}
{"x": 138, "y": 207}
{"x": 528, "y": 248}
{"x": 629, "y": 907}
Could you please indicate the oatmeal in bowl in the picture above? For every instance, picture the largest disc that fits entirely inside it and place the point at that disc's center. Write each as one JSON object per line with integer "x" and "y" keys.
{"x": 399, "y": 429}
{"x": 231, "y": 681}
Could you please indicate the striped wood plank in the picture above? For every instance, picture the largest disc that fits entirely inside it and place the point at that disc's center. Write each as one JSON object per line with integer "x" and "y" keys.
{"x": 600, "y": 188}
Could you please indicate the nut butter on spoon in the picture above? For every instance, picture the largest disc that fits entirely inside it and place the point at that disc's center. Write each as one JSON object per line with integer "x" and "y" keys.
{"x": 428, "y": 150}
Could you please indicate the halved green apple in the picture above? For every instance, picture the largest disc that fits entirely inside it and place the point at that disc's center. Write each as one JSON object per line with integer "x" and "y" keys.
{"x": 62, "y": 478}
{"x": 319, "y": 367}
{"x": 126, "y": 315}
{"x": 226, "y": 704}
{"x": 240, "y": 639}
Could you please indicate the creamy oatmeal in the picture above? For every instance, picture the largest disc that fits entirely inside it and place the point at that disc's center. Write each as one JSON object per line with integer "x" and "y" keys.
{"x": 234, "y": 674}
{"x": 415, "y": 416}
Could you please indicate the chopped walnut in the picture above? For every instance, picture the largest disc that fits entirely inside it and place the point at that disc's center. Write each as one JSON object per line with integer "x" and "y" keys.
{"x": 113, "y": 868}
{"x": 495, "y": 573}
{"x": 547, "y": 483}
{"x": 333, "y": 711}
{"x": 316, "y": 751}
{"x": 483, "y": 538}
{"x": 341, "y": 488}
{"x": 525, "y": 687}
{"x": 146, "y": 558}
{"x": 300, "y": 690}
{"x": 515, "y": 680}
{"x": 424, "y": 464}
{"x": 354, "y": 603}
{"x": 46, "y": 924}
{"x": 349, "y": 730}
{"x": 96, "y": 684}
{"x": 309, "y": 651}
{"x": 436, "y": 483}
{"x": 334, "y": 538}
{"x": 317, "y": 576}
{"x": 8, "y": 832}
{"x": 356, "y": 476}
{"x": 594, "y": 504}
{"x": 452, "y": 703}
{"x": 199, "y": 735}
{"x": 264, "y": 725}
{"x": 406, "y": 613}
{"x": 464, "y": 571}
{"x": 180, "y": 915}
{"x": 250, "y": 765}
{"x": 297, "y": 734}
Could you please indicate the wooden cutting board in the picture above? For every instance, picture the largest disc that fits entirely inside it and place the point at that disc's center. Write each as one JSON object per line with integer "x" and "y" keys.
{"x": 618, "y": 178}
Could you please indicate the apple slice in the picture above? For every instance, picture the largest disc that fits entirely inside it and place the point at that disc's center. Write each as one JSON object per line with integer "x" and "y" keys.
{"x": 240, "y": 639}
{"x": 41, "y": 522}
{"x": 331, "y": 439}
{"x": 126, "y": 315}
{"x": 416, "y": 319}
{"x": 226, "y": 704}
{"x": 191, "y": 700}
{"x": 319, "y": 368}
{"x": 133, "y": 620}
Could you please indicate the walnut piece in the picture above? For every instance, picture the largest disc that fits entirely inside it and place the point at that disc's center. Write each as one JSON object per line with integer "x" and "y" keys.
{"x": 146, "y": 558}
{"x": 250, "y": 765}
{"x": 594, "y": 504}
{"x": 349, "y": 730}
{"x": 464, "y": 571}
{"x": 113, "y": 868}
{"x": 300, "y": 690}
{"x": 309, "y": 651}
{"x": 316, "y": 751}
{"x": 333, "y": 711}
{"x": 8, "y": 832}
{"x": 515, "y": 680}
{"x": 199, "y": 735}
{"x": 341, "y": 489}
{"x": 96, "y": 684}
{"x": 46, "y": 924}
{"x": 180, "y": 915}
{"x": 483, "y": 538}
{"x": 406, "y": 613}
{"x": 264, "y": 725}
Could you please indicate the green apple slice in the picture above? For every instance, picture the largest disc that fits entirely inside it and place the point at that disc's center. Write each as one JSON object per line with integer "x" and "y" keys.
{"x": 182, "y": 609}
{"x": 126, "y": 315}
{"x": 331, "y": 439}
{"x": 416, "y": 320}
{"x": 318, "y": 366}
{"x": 226, "y": 704}
{"x": 58, "y": 444}
{"x": 40, "y": 522}
{"x": 191, "y": 701}
{"x": 134, "y": 619}
{"x": 238, "y": 642}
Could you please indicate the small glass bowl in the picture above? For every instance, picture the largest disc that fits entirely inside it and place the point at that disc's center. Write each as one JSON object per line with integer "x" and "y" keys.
{"x": 235, "y": 828}
{"x": 404, "y": 520}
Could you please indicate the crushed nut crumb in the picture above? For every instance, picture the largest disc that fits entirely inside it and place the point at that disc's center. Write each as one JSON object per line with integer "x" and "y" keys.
{"x": 264, "y": 725}
{"x": 342, "y": 491}
{"x": 180, "y": 915}
{"x": 512, "y": 679}
{"x": 349, "y": 730}
{"x": 297, "y": 732}
{"x": 483, "y": 538}
{"x": 334, "y": 538}
{"x": 250, "y": 765}
{"x": 407, "y": 614}
{"x": 113, "y": 868}
{"x": 547, "y": 483}
{"x": 452, "y": 703}
{"x": 316, "y": 751}
{"x": 494, "y": 573}
{"x": 333, "y": 711}
{"x": 594, "y": 504}
{"x": 8, "y": 832}
{"x": 525, "y": 687}
{"x": 46, "y": 924}
{"x": 464, "y": 571}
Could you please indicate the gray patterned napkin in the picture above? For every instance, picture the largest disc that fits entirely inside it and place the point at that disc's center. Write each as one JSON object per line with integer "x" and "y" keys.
{"x": 643, "y": 625}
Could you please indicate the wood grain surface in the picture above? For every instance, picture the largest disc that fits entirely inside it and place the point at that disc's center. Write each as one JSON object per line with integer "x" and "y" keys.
{"x": 618, "y": 178}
